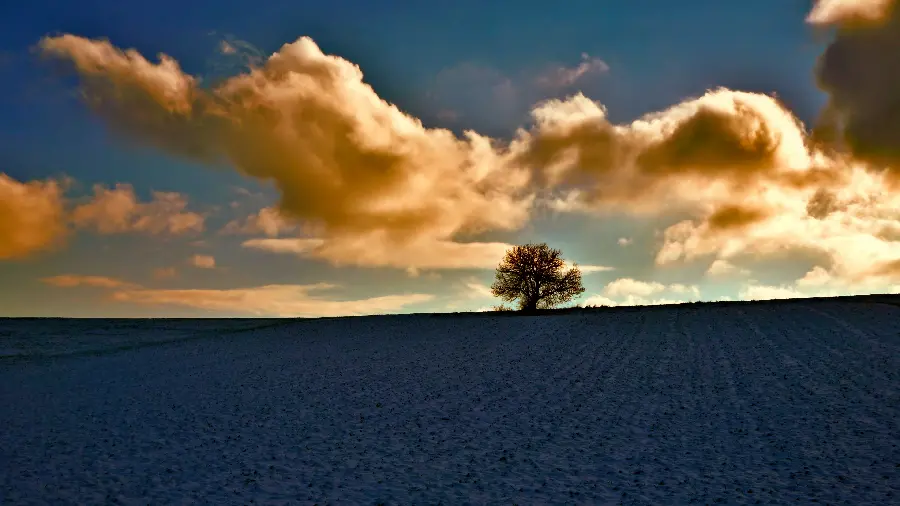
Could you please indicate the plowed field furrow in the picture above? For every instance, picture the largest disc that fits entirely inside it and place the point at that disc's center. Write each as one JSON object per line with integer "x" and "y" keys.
{"x": 741, "y": 404}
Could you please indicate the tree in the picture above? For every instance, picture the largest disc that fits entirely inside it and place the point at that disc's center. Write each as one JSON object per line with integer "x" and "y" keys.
{"x": 534, "y": 274}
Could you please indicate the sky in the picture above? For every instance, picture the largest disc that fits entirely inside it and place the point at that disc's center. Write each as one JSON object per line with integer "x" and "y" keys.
{"x": 194, "y": 159}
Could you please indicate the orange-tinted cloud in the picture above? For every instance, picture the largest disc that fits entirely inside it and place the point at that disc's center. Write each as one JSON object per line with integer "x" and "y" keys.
{"x": 889, "y": 269}
{"x": 32, "y": 216}
{"x": 36, "y": 215}
{"x": 376, "y": 185}
{"x": 270, "y": 300}
{"x": 717, "y": 148}
{"x": 369, "y": 185}
{"x": 830, "y": 12}
{"x": 268, "y": 221}
{"x": 72, "y": 280}
{"x": 117, "y": 210}
{"x": 846, "y": 228}
{"x": 341, "y": 157}
{"x": 376, "y": 251}
{"x": 203, "y": 261}
{"x": 735, "y": 217}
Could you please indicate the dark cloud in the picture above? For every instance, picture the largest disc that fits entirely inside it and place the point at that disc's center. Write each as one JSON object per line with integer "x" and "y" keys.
{"x": 860, "y": 72}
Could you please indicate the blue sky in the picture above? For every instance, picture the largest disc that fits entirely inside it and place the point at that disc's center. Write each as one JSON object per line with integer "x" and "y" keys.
{"x": 457, "y": 66}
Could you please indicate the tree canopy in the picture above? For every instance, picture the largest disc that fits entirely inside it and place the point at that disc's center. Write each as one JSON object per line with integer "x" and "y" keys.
{"x": 534, "y": 275}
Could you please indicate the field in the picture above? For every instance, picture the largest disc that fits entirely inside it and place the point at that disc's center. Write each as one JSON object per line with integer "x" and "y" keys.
{"x": 735, "y": 404}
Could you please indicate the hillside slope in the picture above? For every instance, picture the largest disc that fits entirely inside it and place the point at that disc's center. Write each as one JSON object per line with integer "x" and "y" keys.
{"x": 734, "y": 404}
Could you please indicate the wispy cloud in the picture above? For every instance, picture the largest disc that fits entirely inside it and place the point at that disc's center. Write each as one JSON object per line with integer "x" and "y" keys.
{"x": 472, "y": 288}
{"x": 74, "y": 280}
{"x": 564, "y": 77}
{"x": 590, "y": 269}
{"x": 283, "y": 300}
{"x": 373, "y": 252}
{"x": 165, "y": 273}
{"x": 270, "y": 300}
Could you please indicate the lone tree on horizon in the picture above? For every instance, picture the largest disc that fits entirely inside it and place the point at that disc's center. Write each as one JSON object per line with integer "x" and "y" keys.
{"x": 533, "y": 273}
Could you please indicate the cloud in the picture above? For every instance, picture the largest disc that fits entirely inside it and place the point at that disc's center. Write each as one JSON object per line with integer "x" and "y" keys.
{"x": 268, "y": 221}
{"x": 700, "y": 154}
{"x": 822, "y": 282}
{"x": 376, "y": 251}
{"x": 355, "y": 166}
{"x": 343, "y": 159}
{"x": 165, "y": 273}
{"x": 737, "y": 173}
{"x": 631, "y": 292}
{"x": 765, "y": 292}
{"x": 482, "y": 97}
{"x": 590, "y": 269}
{"x": 232, "y": 55}
{"x": 720, "y": 268}
{"x": 627, "y": 286}
{"x": 735, "y": 217}
{"x": 860, "y": 72}
{"x": 564, "y": 77}
{"x": 848, "y": 230}
{"x": 117, "y": 210}
{"x": 798, "y": 291}
{"x": 73, "y": 280}
{"x": 631, "y": 300}
{"x": 270, "y": 300}
{"x": 203, "y": 261}
{"x": 830, "y": 12}
{"x": 32, "y": 217}
{"x": 226, "y": 48}
{"x": 37, "y": 216}
{"x": 474, "y": 289}
{"x": 624, "y": 241}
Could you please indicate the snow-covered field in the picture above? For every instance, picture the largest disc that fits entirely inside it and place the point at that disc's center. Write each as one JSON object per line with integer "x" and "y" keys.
{"x": 740, "y": 404}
